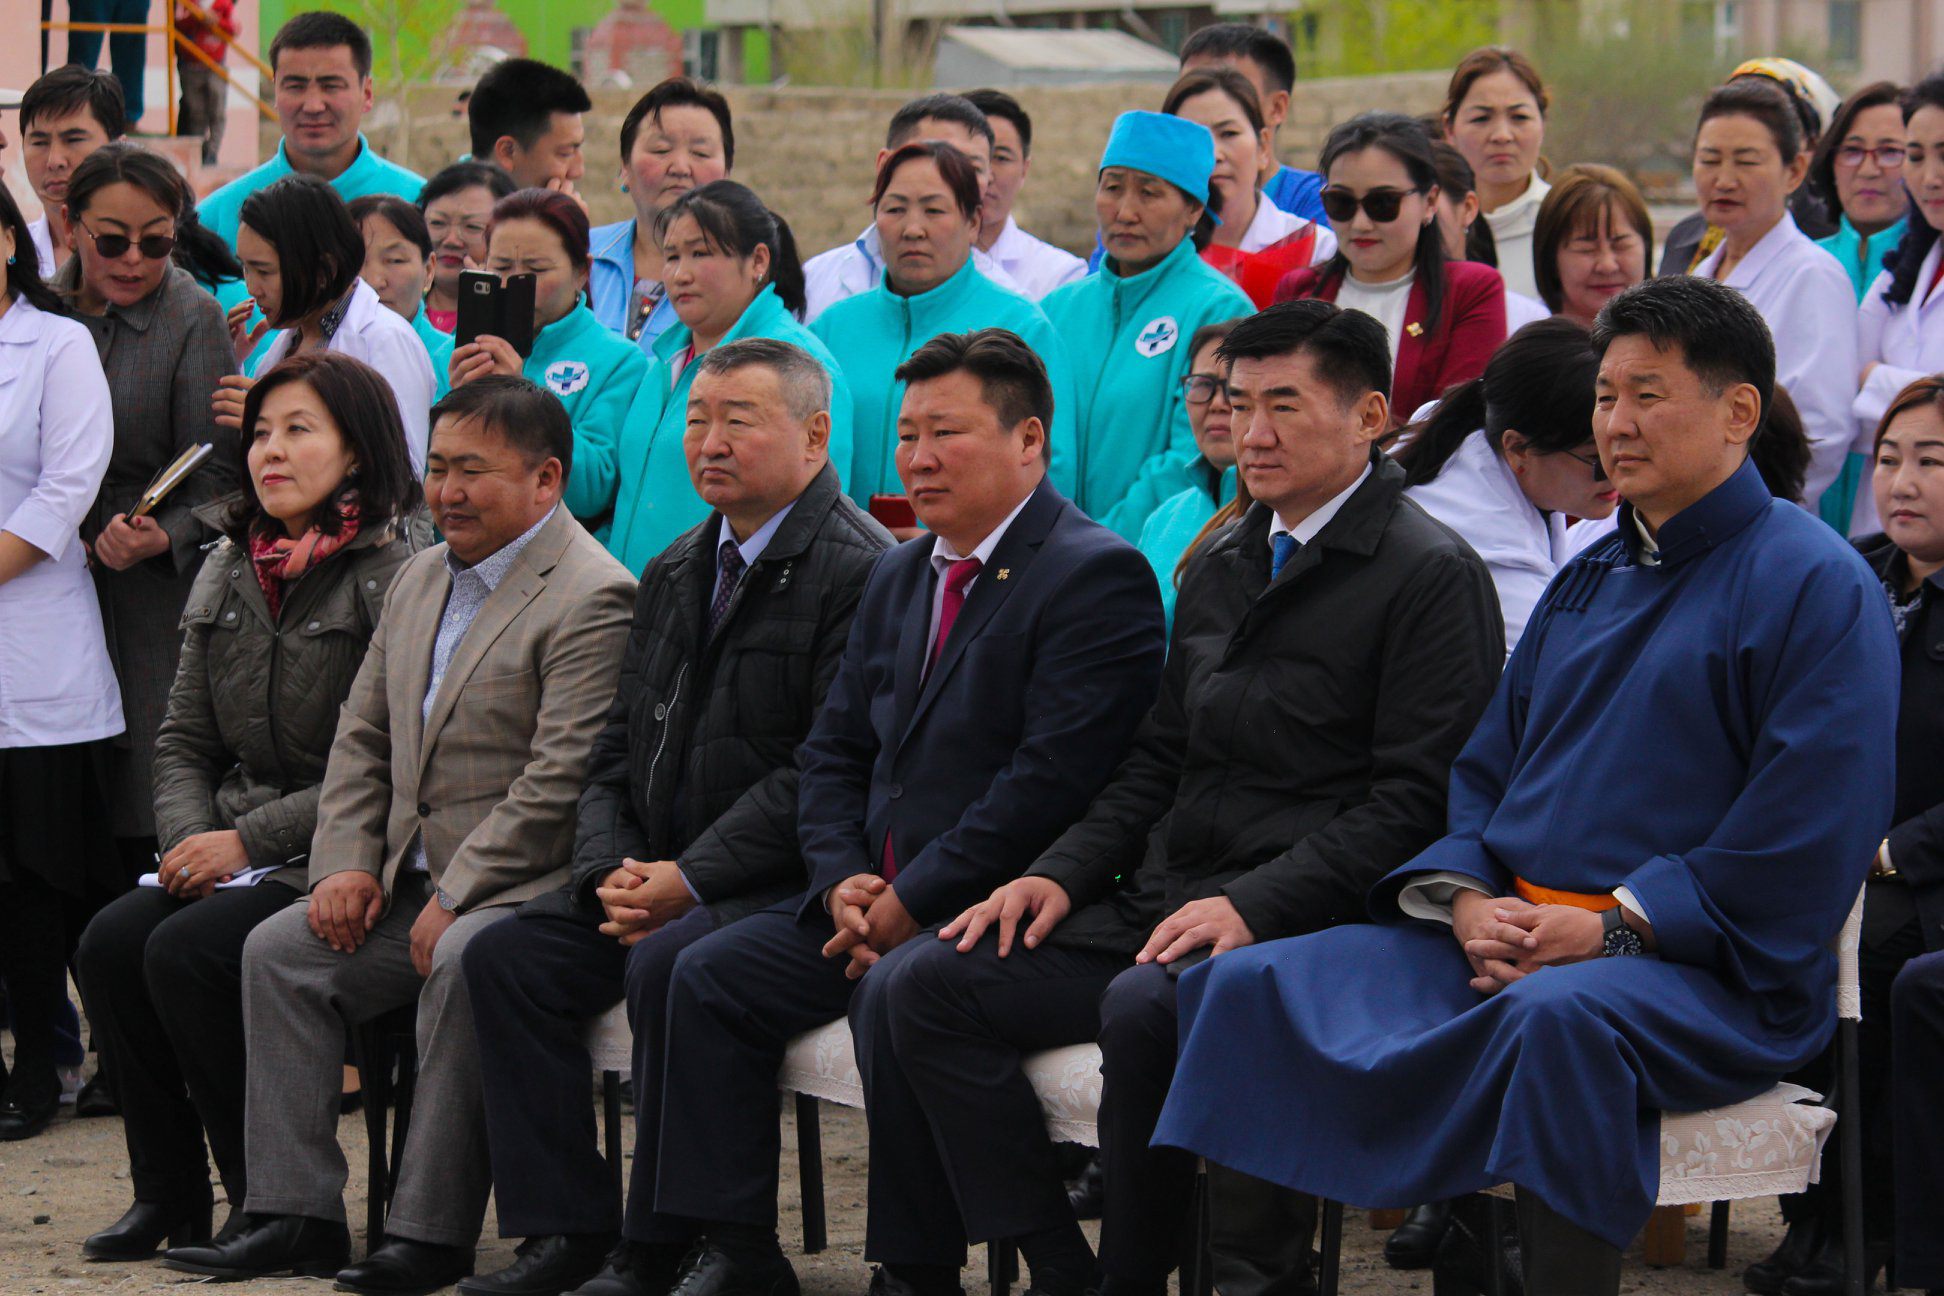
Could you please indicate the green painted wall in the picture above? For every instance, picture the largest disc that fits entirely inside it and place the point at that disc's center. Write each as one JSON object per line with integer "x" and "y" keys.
{"x": 548, "y": 24}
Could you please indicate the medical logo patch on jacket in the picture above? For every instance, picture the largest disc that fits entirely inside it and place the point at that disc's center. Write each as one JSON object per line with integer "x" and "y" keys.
{"x": 1157, "y": 336}
{"x": 565, "y": 377}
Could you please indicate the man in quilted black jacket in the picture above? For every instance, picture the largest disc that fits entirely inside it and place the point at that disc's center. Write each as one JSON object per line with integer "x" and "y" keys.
{"x": 688, "y": 821}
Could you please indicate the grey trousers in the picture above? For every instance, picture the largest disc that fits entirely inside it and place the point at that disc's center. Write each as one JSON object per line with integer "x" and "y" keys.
{"x": 298, "y": 994}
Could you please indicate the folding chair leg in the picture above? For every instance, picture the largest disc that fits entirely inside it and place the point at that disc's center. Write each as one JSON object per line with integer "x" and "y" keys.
{"x": 1002, "y": 1265}
{"x": 1197, "y": 1267}
{"x": 1326, "y": 1284}
{"x": 1498, "y": 1221}
{"x": 1850, "y": 1112}
{"x": 368, "y": 1054}
{"x": 1718, "y": 1236}
{"x": 611, "y": 1123}
{"x": 810, "y": 1181}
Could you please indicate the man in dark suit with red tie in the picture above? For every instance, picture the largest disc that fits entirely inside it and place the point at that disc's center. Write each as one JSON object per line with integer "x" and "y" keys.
{"x": 996, "y": 671}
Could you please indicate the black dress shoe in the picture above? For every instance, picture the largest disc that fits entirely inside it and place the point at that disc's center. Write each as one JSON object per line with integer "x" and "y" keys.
{"x": 715, "y": 1270}
{"x": 1414, "y": 1243}
{"x": 407, "y": 1267}
{"x": 234, "y": 1223}
{"x": 1087, "y": 1193}
{"x": 885, "y": 1281}
{"x": 269, "y": 1246}
{"x": 144, "y": 1227}
{"x": 1799, "y": 1246}
{"x": 20, "y": 1120}
{"x": 546, "y": 1266}
{"x": 97, "y": 1098}
{"x": 635, "y": 1269}
{"x": 1822, "y": 1275}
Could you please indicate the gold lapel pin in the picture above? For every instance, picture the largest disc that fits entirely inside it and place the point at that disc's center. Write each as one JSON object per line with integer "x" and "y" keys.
{"x": 1003, "y": 573}
{"x": 1415, "y": 330}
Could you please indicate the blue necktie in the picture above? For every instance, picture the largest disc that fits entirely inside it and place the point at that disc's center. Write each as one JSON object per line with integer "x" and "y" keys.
{"x": 1282, "y": 547}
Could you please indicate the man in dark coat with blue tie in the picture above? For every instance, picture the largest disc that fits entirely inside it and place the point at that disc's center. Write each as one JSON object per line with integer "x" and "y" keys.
{"x": 1331, "y": 652}
{"x": 996, "y": 671}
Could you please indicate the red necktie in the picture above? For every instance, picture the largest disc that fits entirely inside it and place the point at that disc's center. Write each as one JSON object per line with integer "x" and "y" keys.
{"x": 957, "y": 577}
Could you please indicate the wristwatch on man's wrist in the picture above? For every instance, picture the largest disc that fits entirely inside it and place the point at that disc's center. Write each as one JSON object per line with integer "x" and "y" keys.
{"x": 1618, "y": 939}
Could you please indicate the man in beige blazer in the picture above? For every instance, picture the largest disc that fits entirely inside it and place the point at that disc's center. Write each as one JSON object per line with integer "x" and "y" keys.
{"x": 449, "y": 798}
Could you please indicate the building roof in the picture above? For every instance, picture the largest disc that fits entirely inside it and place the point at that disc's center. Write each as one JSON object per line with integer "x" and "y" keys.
{"x": 1093, "y": 53}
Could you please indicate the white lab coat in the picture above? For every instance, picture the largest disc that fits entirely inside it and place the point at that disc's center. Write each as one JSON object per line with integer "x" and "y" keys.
{"x": 855, "y": 267}
{"x": 376, "y": 334}
{"x": 44, "y": 246}
{"x": 1810, "y": 305}
{"x": 1512, "y": 227}
{"x": 1034, "y": 264}
{"x": 57, "y": 429}
{"x": 1905, "y": 343}
{"x": 1478, "y": 496}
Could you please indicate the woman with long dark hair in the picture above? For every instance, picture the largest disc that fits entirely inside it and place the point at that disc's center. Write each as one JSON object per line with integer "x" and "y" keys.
{"x": 1507, "y": 458}
{"x": 1900, "y": 327}
{"x": 1858, "y": 170}
{"x": 165, "y": 347}
{"x": 1444, "y": 317}
{"x": 59, "y": 704}
{"x": 729, "y": 265}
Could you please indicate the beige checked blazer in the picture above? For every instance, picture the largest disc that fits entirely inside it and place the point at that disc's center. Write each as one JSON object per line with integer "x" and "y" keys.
{"x": 493, "y": 776}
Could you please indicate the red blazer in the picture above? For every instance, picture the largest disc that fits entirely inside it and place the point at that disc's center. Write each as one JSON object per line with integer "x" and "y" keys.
{"x": 1471, "y": 324}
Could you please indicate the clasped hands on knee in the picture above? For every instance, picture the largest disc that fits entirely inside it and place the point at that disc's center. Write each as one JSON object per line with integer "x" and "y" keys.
{"x": 870, "y": 920}
{"x": 1506, "y": 938}
{"x": 639, "y": 898}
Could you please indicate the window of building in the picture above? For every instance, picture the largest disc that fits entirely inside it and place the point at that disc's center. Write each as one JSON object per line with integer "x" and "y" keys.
{"x": 1846, "y": 31}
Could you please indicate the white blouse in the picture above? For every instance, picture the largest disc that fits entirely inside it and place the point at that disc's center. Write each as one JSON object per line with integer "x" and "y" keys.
{"x": 1512, "y": 226}
{"x": 1905, "y": 343}
{"x": 1386, "y": 303}
{"x": 378, "y": 335}
{"x": 1810, "y": 305}
{"x": 57, "y": 429}
{"x": 1477, "y": 495}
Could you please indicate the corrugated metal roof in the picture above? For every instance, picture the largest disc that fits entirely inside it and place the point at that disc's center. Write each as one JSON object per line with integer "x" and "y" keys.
{"x": 1046, "y": 50}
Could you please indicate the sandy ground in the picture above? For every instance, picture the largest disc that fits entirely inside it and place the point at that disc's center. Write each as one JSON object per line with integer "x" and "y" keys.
{"x": 72, "y": 1180}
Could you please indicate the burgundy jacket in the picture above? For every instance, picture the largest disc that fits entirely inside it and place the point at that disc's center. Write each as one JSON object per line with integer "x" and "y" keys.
{"x": 1471, "y": 325}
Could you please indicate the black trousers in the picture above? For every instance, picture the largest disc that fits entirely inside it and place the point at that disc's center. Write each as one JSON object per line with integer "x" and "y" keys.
{"x": 535, "y": 983}
{"x": 737, "y": 999}
{"x": 1892, "y": 936}
{"x": 163, "y": 982}
{"x": 38, "y": 930}
{"x": 1917, "y": 1028}
{"x": 959, "y": 1149}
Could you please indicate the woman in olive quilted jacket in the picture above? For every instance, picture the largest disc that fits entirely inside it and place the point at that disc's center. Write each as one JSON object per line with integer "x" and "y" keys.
{"x": 275, "y": 629}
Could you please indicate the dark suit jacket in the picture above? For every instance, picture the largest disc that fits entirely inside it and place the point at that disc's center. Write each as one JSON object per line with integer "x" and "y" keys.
{"x": 1471, "y": 324}
{"x": 973, "y": 772}
{"x": 1917, "y": 837}
{"x": 1302, "y": 742}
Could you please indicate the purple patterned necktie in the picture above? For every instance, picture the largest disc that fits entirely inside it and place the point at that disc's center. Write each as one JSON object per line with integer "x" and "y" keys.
{"x": 732, "y": 570}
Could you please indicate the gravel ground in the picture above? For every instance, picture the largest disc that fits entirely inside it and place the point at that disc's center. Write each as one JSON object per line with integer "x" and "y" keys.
{"x": 72, "y": 1180}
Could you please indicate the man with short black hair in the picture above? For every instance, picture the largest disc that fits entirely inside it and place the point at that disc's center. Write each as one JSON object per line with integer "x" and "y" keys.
{"x": 1689, "y": 756}
{"x": 448, "y": 800}
{"x": 1034, "y": 264}
{"x": 855, "y": 267}
{"x": 320, "y": 67}
{"x": 64, "y": 117}
{"x": 1250, "y": 808}
{"x": 995, "y": 672}
{"x": 688, "y": 820}
{"x": 1265, "y": 59}
{"x": 525, "y": 116}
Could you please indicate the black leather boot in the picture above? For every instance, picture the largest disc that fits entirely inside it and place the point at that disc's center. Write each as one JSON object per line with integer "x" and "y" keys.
{"x": 146, "y": 1225}
{"x": 1799, "y": 1246}
{"x": 1414, "y": 1243}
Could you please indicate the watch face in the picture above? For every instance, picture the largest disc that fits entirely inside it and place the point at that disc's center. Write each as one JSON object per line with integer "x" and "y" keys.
{"x": 1623, "y": 940}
